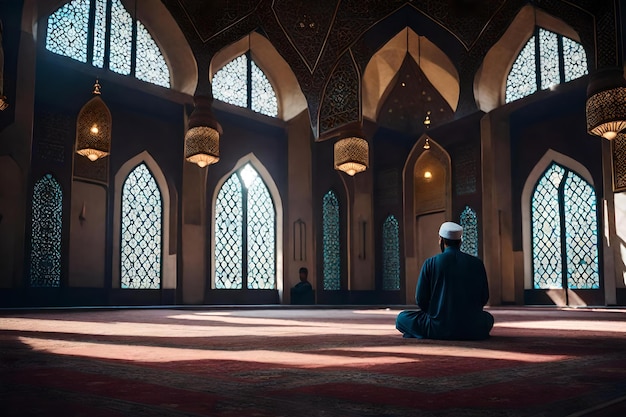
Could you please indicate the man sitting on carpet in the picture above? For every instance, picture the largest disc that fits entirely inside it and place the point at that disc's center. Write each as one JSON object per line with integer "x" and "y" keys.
{"x": 451, "y": 292}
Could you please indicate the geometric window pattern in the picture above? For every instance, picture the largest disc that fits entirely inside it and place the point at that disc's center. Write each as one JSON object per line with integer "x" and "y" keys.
{"x": 546, "y": 230}
{"x": 242, "y": 83}
{"x": 546, "y": 60}
{"x": 331, "y": 248}
{"x": 564, "y": 231}
{"x": 469, "y": 222}
{"x": 581, "y": 233}
{"x": 120, "y": 43}
{"x": 68, "y": 29}
{"x": 45, "y": 262}
{"x": 229, "y": 235}
{"x": 245, "y": 233}
{"x": 142, "y": 225}
{"x": 261, "y": 232}
{"x": 391, "y": 254}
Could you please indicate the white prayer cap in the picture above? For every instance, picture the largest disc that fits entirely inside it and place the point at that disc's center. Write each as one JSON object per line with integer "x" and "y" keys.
{"x": 451, "y": 231}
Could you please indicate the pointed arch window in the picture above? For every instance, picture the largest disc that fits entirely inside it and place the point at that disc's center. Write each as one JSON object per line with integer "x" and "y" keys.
{"x": 242, "y": 83}
{"x": 564, "y": 231}
{"x": 331, "y": 242}
{"x": 142, "y": 231}
{"x": 469, "y": 222}
{"x": 391, "y": 254}
{"x": 104, "y": 34}
{"x": 46, "y": 232}
{"x": 546, "y": 60}
{"x": 245, "y": 233}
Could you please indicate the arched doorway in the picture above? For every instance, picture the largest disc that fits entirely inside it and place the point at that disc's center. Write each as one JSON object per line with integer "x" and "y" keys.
{"x": 427, "y": 203}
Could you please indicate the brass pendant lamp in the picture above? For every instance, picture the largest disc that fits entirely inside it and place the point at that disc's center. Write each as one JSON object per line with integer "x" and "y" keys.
{"x": 93, "y": 128}
{"x": 351, "y": 152}
{"x": 202, "y": 140}
{"x": 606, "y": 103}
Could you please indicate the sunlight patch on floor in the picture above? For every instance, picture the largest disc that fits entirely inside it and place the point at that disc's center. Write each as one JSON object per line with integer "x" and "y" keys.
{"x": 156, "y": 354}
{"x": 585, "y": 325}
{"x": 212, "y": 326}
{"x": 458, "y": 351}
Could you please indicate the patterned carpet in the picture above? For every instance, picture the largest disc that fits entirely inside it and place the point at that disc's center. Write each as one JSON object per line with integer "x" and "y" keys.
{"x": 248, "y": 362}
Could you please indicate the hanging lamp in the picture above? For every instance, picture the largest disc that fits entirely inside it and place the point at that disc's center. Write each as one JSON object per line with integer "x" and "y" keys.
{"x": 202, "y": 140}
{"x": 606, "y": 103}
{"x": 93, "y": 128}
{"x": 427, "y": 125}
{"x": 351, "y": 153}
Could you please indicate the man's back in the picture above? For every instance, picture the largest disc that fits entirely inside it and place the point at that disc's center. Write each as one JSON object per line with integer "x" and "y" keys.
{"x": 452, "y": 289}
{"x": 451, "y": 292}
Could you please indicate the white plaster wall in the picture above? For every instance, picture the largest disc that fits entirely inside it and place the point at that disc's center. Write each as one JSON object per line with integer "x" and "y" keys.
{"x": 362, "y": 248}
{"x": 299, "y": 203}
{"x": 87, "y": 236}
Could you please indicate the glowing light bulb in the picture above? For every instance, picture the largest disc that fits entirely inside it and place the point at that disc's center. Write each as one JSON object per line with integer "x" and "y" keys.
{"x": 428, "y": 175}
{"x": 94, "y": 129}
{"x": 609, "y": 135}
{"x": 201, "y": 164}
{"x": 92, "y": 157}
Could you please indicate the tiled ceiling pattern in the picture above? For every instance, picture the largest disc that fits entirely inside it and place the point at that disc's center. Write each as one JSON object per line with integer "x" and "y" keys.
{"x": 307, "y": 25}
{"x": 209, "y": 18}
{"x": 312, "y": 36}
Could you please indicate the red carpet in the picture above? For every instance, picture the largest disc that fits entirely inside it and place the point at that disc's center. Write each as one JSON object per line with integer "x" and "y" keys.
{"x": 318, "y": 362}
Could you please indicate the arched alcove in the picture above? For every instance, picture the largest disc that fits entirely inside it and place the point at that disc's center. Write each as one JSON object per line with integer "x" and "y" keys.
{"x": 430, "y": 177}
{"x": 490, "y": 80}
{"x": 427, "y": 204}
{"x": 291, "y": 100}
{"x": 385, "y": 63}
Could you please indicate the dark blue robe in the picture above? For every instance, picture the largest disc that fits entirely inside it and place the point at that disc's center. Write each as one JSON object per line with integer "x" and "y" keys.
{"x": 451, "y": 292}
{"x": 302, "y": 293}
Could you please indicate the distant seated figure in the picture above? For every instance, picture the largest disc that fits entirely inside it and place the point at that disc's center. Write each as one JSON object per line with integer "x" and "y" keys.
{"x": 451, "y": 291}
{"x": 302, "y": 292}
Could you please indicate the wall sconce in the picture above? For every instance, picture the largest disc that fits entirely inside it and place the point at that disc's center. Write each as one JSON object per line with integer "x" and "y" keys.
{"x": 93, "y": 128}
{"x": 299, "y": 240}
{"x": 606, "y": 103}
{"x": 202, "y": 140}
{"x": 82, "y": 215}
{"x": 351, "y": 153}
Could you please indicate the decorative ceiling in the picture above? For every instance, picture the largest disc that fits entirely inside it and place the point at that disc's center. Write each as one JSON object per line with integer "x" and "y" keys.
{"x": 411, "y": 97}
{"x": 328, "y": 43}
